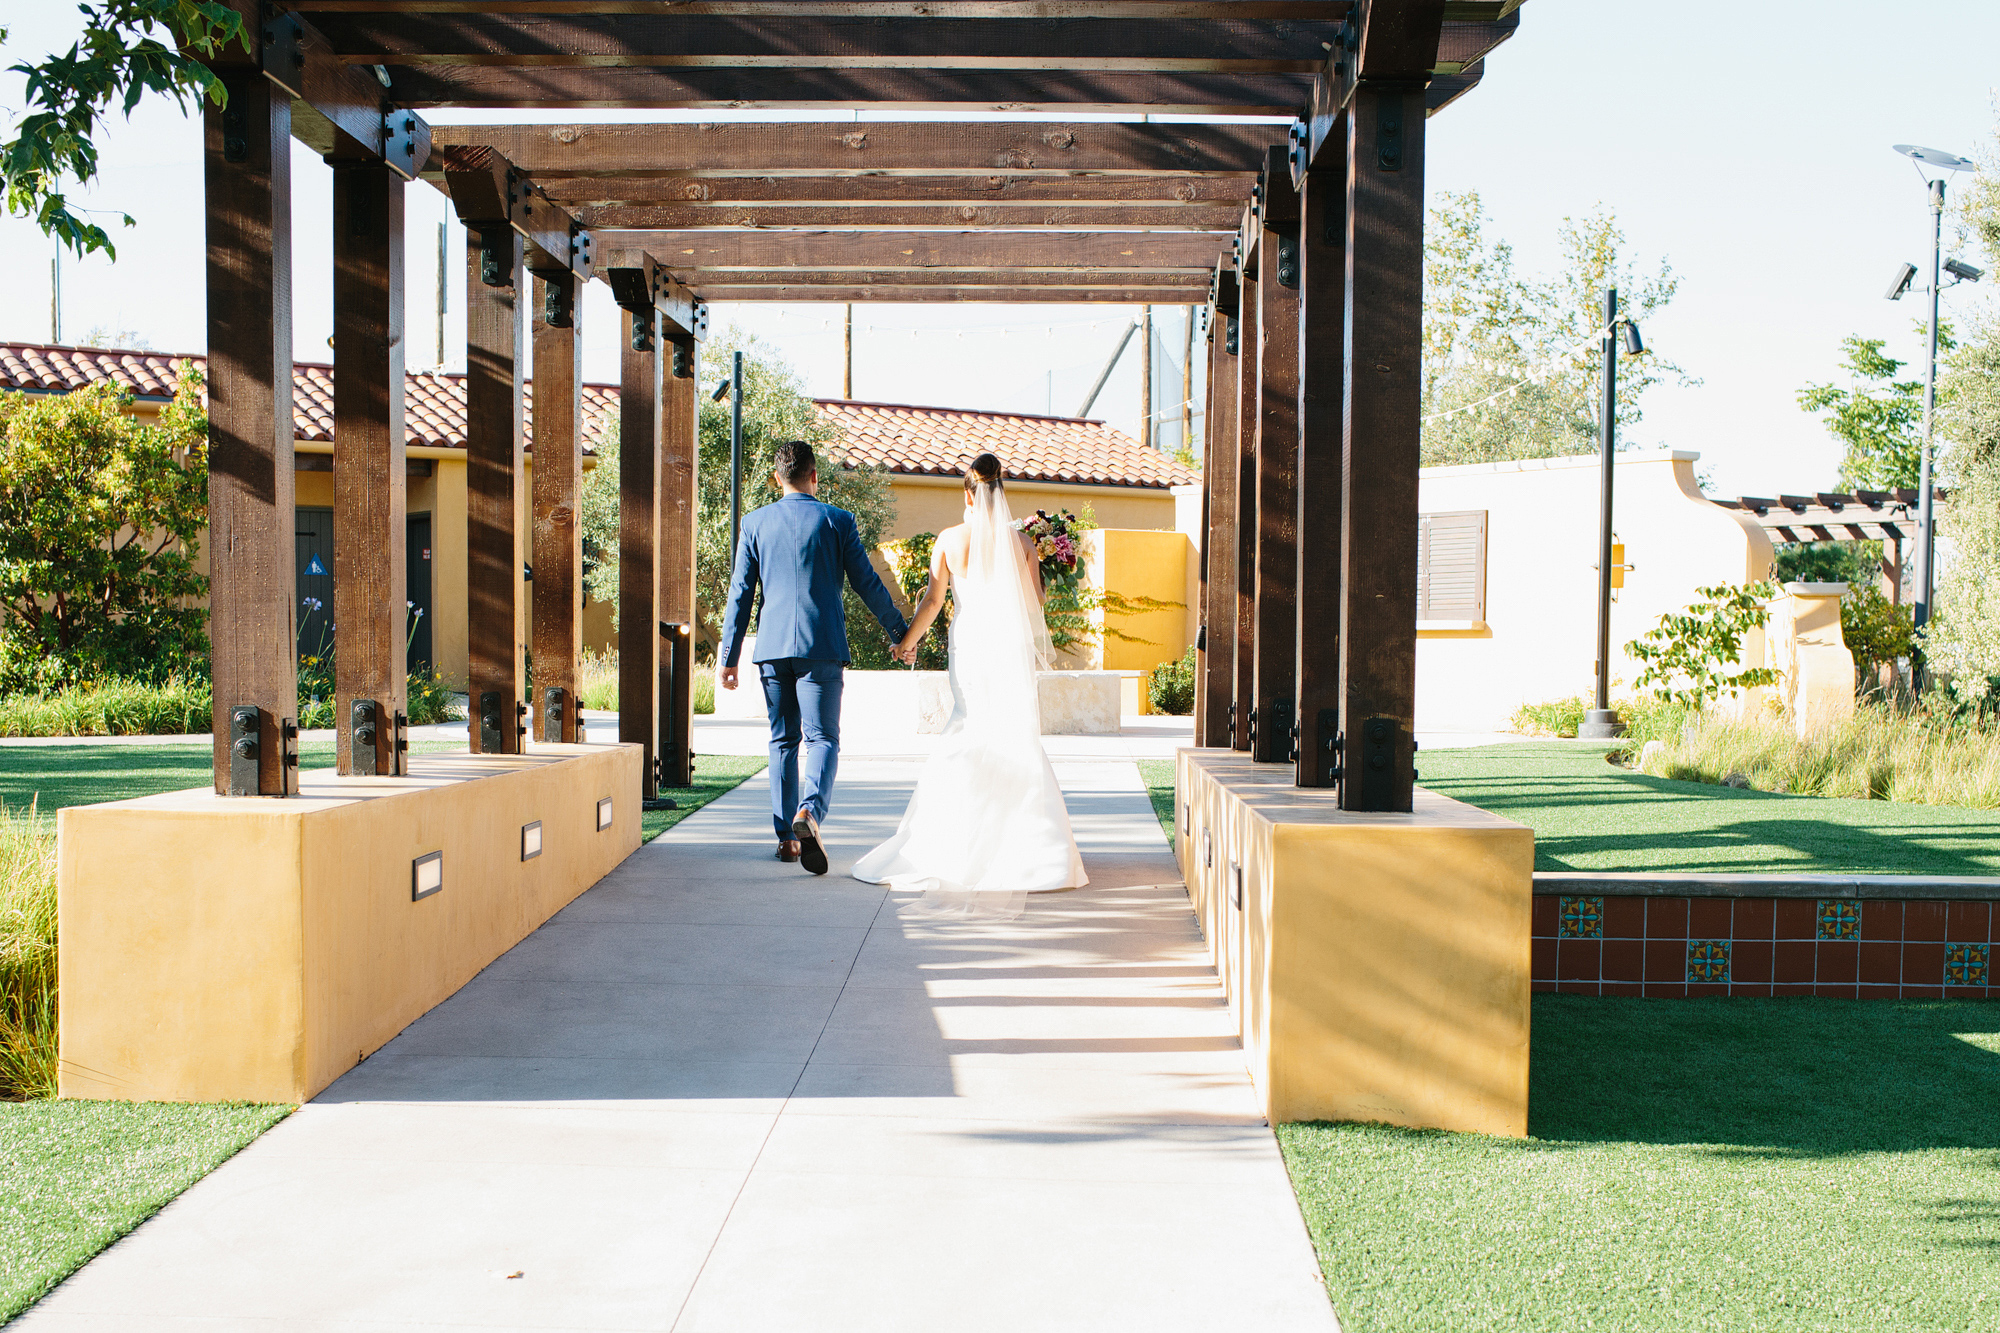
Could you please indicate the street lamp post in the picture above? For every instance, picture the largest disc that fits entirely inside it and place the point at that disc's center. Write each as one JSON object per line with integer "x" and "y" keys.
{"x": 1601, "y": 722}
{"x": 735, "y": 453}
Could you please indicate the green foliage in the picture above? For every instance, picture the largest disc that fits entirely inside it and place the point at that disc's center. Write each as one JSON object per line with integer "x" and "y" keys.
{"x": 1687, "y": 655}
{"x": 112, "y": 707}
{"x": 429, "y": 699}
{"x": 911, "y": 560}
{"x": 1647, "y": 717}
{"x": 1963, "y": 636}
{"x": 1487, "y": 330}
{"x": 99, "y": 518}
{"x": 115, "y": 62}
{"x": 1876, "y": 630}
{"x": 1170, "y": 686}
{"x": 1827, "y": 562}
{"x": 27, "y": 954}
{"x": 1878, "y": 418}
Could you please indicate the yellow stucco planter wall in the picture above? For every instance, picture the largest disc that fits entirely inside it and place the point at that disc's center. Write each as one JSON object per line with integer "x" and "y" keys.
{"x": 1377, "y": 965}
{"x": 254, "y": 949}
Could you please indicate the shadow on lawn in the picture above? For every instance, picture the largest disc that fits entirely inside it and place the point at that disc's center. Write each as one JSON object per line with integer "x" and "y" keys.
{"x": 1805, "y": 1077}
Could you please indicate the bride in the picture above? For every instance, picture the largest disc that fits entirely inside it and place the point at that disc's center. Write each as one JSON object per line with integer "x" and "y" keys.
{"x": 987, "y": 824}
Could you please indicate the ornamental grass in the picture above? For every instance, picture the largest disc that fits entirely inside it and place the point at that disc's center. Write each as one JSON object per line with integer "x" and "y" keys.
{"x": 1881, "y": 753}
{"x": 597, "y": 682}
{"x": 27, "y": 954}
{"x": 113, "y": 707}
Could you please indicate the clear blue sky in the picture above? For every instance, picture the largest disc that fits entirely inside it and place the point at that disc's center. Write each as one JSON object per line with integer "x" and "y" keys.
{"x": 1747, "y": 144}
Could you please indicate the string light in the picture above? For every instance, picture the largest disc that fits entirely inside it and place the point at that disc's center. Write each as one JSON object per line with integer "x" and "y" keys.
{"x": 1536, "y": 372}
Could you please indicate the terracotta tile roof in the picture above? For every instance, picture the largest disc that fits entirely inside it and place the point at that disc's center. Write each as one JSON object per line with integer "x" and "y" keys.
{"x": 940, "y": 441}
{"x": 433, "y": 404}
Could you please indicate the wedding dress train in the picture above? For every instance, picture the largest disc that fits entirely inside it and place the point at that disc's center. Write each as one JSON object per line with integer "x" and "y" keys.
{"x": 987, "y": 824}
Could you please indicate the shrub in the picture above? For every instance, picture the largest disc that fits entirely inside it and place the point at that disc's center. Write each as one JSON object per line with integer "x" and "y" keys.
{"x": 597, "y": 683}
{"x": 430, "y": 700}
{"x": 99, "y": 514}
{"x": 1646, "y": 718}
{"x": 1170, "y": 687}
{"x": 1881, "y": 753}
{"x": 111, "y": 707}
{"x": 1687, "y": 655}
{"x": 27, "y": 955}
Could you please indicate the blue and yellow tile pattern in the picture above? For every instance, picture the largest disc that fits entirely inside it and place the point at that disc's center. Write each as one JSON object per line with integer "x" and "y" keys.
{"x": 1968, "y": 964}
{"x": 1708, "y": 960}
{"x": 1839, "y": 919}
{"x": 1582, "y": 919}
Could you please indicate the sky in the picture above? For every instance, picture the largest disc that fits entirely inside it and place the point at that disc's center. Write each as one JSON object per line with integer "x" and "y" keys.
{"x": 1747, "y": 145}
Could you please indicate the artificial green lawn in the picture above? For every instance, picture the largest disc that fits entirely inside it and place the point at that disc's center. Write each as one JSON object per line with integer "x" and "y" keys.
{"x": 1727, "y": 1164}
{"x": 1158, "y": 775}
{"x": 714, "y": 774}
{"x": 75, "y": 1176}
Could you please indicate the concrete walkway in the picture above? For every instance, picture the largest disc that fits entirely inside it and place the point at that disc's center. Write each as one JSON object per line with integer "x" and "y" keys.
{"x": 718, "y": 1094}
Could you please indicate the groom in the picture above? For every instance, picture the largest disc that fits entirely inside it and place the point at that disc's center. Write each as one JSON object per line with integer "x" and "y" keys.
{"x": 798, "y": 549}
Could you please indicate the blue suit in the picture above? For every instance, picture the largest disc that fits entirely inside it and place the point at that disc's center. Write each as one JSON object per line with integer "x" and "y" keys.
{"x": 800, "y": 551}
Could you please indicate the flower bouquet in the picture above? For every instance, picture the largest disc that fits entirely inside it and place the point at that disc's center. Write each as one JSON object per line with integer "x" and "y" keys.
{"x": 1055, "y": 546}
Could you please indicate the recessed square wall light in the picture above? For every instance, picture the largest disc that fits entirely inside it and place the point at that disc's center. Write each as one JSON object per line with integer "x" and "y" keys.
{"x": 531, "y": 840}
{"x": 604, "y": 814}
{"x": 426, "y": 875}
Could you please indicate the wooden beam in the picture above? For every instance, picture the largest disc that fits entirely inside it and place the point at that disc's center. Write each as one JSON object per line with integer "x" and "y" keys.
{"x": 485, "y": 188}
{"x": 929, "y": 295}
{"x": 1304, "y": 11}
{"x": 731, "y": 192}
{"x": 337, "y": 110}
{"x": 1059, "y": 92}
{"x": 253, "y": 612}
{"x": 1247, "y": 412}
{"x": 1216, "y": 676}
{"x": 1384, "y": 393}
{"x": 1274, "y": 615}
{"x": 1184, "y": 282}
{"x": 921, "y": 148}
{"x": 639, "y": 395}
{"x": 638, "y": 281}
{"x": 680, "y": 456}
{"x": 878, "y": 251}
{"x": 557, "y": 551}
{"x": 370, "y": 471}
{"x": 1322, "y": 378}
{"x": 495, "y": 555}
{"x": 894, "y": 217}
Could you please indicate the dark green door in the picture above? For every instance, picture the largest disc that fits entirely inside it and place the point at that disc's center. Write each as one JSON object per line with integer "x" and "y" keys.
{"x": 315, "y": 581}
{"x": 418, "y": 560}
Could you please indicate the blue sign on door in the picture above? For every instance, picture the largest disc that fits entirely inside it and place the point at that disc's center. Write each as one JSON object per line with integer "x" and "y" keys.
{"x": 316, "y": 568}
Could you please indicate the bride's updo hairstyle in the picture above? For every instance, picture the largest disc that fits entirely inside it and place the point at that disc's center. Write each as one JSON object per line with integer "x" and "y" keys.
{"x": 984, "y": 471}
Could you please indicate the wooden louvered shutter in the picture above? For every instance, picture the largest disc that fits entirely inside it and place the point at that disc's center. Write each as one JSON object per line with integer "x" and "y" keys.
{"x": 1451, "y": 566}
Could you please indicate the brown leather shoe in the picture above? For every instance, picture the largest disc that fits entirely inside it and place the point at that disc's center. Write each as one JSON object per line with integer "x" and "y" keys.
{"x": 788, "y": 852}
{"x": 806, "y": 829}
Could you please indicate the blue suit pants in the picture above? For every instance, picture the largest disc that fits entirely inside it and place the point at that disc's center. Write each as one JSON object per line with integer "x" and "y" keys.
{"x": 802, "y": 696}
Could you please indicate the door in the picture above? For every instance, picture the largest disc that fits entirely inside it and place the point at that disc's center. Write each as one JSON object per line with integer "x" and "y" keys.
{"x": 314, "y": 530}
{"x": 418, "y": 562}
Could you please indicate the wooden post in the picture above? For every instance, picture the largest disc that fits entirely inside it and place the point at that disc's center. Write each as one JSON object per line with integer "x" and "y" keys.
{"x": 557, "y": 552}
{"x": 494, "y": 559}
{"x": 1215, "y": 685}
{"x": 1383, "y": 385}
{"x": 1241, "y": 723}
{"x": 370, "y": 476}
{"x": 1274, "y": 630}
{"x": 680, "y": 453}
{"x": 1322, "y": 310}
{"x": 253, "y": 611}
{"x": 639, "y": 394}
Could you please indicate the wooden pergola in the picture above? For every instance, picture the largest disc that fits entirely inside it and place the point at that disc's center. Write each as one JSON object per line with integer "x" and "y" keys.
{"x": 1303, "y": 238}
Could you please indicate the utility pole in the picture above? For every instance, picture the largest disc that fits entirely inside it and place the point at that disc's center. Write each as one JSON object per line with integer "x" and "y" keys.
{"x": 1090, "y": 399}
{"x": 847, "y": 356}
{"x": 1147, "y": 427}
{"x": 1920, "y": 610}
{"x": 1602, "y": 721}
{"x": 55, "y": 297}
{"x": 736, "y": 454}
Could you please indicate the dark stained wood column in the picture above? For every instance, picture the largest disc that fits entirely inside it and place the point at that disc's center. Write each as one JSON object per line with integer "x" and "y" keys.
{"x": 680, "y": 453}
{"x": 253, "y": 611}
{"x": 370, "y": 476}
{"x": 1246, "y": 502}
{"x": 1384, "y": 333}
{"x": 494, "y": 564}
{"x": 557, "y": 552}
{"x": 639, "y": 395}
{"x": 1215, "y": 684}
{"x": 1274, "y": 627}
{"x": 1322, "y": 316}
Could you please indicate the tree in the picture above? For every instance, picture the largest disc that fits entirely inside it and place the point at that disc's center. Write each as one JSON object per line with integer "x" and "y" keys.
{"x": 99, "y": 519}
{"x": 1879, "y": 418}
{"x": 1689, "y": 653}
{"x": 1513, "y": 368}
{"x": 117, "y": 60}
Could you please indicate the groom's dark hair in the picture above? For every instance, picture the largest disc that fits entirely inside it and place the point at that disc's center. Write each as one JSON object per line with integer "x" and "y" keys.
{"x": 794, "y": 461}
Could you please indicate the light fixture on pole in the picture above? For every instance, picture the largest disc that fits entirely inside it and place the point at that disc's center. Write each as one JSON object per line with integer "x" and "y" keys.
{"x": 735, "y": 386}
{"x": 1926, "y": 546}
{"x": 1601, "y": 722}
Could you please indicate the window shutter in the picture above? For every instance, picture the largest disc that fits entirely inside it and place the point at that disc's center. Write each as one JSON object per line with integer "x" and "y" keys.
{"x": 1451, "y": 566}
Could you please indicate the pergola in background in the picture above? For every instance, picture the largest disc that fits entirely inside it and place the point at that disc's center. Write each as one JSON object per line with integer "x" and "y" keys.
{"x": 1304, "y": 242}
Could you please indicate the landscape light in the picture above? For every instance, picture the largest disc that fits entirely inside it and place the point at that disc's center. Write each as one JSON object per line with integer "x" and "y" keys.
{"x": 720, "y": 390}
{"x": 1901, "y": 282}
{"x": 1935, "y": 157}
{"x": 1963, "y": 271}
{"x": 1630, "y": 333}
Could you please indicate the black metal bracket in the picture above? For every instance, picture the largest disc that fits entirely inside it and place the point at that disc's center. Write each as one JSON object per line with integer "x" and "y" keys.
{"x": 363, "y": 717}
{"x": 1381, "y": 737}
{"x": 1288, "y": 259}
{"x": 399, "y": 764}
{"x": 491, "y": 739}
{"x": 642, "y": 330}
{"x": 246, "y": 736}
{"x": 559, "y": 302}
{"x": 520, "y": 720}
{"x": 683, "y": 361}
{"x": 288, "y": 771}
{"x": 554, "y": 700}
{"x": 1327, "y": 750}
{"x": 1389, "y": 135}
{"x": 496, "y": 256}
{"x": 1229, "y": 340}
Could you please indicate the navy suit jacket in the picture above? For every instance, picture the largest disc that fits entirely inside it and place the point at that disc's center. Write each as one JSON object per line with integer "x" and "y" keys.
{"x": 798, "y": 550}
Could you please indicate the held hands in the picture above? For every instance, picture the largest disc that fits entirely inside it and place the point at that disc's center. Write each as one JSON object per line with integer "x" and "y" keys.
{"x": 906, "y": 651}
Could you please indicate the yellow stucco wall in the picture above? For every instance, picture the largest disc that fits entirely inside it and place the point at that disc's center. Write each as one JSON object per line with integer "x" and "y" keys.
{"x": 1808, "y": 647}
{"x": 1539, "y": 639}
{"x": 217, "y": 949}
{"x": 1377, "y": 965}
{"x": 1136, "y": 565}
{"x": 932, "y": 504}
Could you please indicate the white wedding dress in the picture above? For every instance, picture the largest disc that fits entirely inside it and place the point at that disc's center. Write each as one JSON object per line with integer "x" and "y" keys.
{"x": 987, "y": 825}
